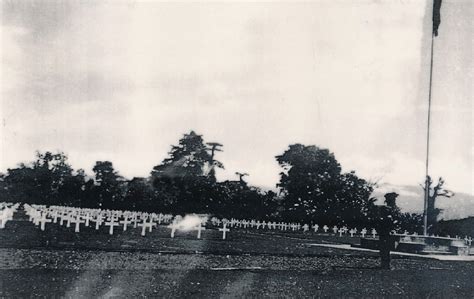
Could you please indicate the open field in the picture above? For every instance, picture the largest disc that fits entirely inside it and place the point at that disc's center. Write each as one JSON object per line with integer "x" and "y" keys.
{"x": 61, "y": 263}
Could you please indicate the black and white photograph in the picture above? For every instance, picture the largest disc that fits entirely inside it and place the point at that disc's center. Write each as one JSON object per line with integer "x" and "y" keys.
{"x": 236, "y": 149}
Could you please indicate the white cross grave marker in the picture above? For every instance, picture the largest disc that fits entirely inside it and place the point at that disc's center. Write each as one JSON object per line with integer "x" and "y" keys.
{"x": 77, "y": 221}
{"x": 315, "y": 227}
{"x": 87, "y": 218}
{"x": 160, "y": 218}
{"x": 125, "y": 222}
{"x": 63, "y": 217}
{"x": 374, "y": 233}
{"x": 69, "y": 218}
{"x": 98, "y": 221}
{"x": 3, "y": 219}
{"x": 199, "y": 229}
{"x": 174, "y": 226}
{"x": 146, "y": 225}
{"x": 151, "y": 225}
{"x": 55, "y": 216}
{"x": 341, "y": 231}
{"x": 224, "y": 229}
{"x": 43, "y": 220}
{"x": 111, "y": 225}
{"x": 135, "y": 221}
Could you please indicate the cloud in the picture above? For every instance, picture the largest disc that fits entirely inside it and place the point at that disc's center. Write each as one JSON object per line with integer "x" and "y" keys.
{"x": 123, "y": 80}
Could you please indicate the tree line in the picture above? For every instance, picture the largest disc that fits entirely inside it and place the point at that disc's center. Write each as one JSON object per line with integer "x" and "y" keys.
{"x": 312, "y": 187}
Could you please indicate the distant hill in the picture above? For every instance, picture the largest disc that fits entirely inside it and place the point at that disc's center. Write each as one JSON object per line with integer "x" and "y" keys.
{"x": 460, "y": 227}
{"x": 460, "y": 206}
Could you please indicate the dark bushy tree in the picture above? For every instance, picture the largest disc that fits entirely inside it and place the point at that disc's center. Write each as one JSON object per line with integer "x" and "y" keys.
{"x": 139, "y": 196}
{"x": 108, "y": 185}
{"x": 74, "y": 190}
{"x": 40, "y": 182}
{"x": 239, "y": 200}
{"x": 315, "y": 190}
{"x": 190, "y": 158}
{"x": 411, "y": 222}
{"x": 353, "y": 202}
{"x": 186, "y": 180}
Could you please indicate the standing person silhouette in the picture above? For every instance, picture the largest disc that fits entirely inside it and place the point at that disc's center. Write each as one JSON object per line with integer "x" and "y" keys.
{"x": 387, "y": 222}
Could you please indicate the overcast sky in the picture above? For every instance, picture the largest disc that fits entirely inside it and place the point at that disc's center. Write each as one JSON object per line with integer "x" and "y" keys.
{"x": 122, "y": 81}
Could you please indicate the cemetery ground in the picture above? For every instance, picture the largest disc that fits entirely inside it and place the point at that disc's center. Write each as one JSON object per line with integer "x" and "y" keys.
{"x": 60, "y": 263}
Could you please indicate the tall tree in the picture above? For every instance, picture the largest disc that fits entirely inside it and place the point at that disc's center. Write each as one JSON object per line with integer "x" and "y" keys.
{"x": 189, "y": 158}
{"x": 314, "y": 188}
{"x": 353, "y": 202}
{"x": 239, "y": 200}
{"x": 435, "y": 191}
{"x": 307, "y": 181}
{"x": 109, "y": 185}
{"x": 139, "y": 196}
{"x": 21, "y": 185}
{"x": 184, "y": 180}
{"x": 74, "y": 190}
{"x": 40, "y": 181}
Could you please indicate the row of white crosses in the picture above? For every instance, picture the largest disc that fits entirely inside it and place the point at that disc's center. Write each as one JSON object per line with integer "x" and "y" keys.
{"x": 69, "y": 216}
{"x": 247, "y": 224}
{"x": 114, "y": 219}
{"x": 41, "y": 215}
{"x": 6, "y": 212}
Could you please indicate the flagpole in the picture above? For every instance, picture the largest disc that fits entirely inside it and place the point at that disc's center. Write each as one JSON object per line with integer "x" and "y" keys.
{"x": 427, "y": 183}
